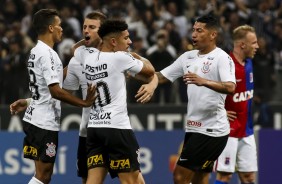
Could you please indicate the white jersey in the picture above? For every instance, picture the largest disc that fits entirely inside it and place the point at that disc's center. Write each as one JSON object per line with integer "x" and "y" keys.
{"x": 205, "y": 109}
{"x": 82, "y": 52}
{"x": 45, "y": 68}
{"x": 75, "y": 78}
{"x": 107, "y": 71}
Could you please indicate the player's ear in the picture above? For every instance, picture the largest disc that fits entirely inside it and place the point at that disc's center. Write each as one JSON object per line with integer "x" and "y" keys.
{"x": 213, "y": 35}
{"x": 50, "y": 27}
{"x": 242, "y": 45}
{"x": 113, "y": 42}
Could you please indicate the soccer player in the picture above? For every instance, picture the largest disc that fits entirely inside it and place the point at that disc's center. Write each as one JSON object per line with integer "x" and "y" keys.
{"x": 42, "y": 117}
{"x": 75, "y": 78}
{"x": 209, "y": 74}
{"x": 240, "y": 151}
{"x": 111, "y": 144}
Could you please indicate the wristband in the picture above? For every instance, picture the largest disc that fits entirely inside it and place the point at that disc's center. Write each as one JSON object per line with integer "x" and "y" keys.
{"x": 28, "y": 100}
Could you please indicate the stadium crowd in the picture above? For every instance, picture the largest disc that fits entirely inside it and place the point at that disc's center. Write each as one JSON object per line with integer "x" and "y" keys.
{"x": 160, "y": 31}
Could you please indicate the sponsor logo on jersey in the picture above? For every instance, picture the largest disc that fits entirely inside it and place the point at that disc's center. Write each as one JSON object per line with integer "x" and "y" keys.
{"x": 194, "y": 123}
{"x": 243, "y": 96}
{"x": 210, "y": 58}
{"x": 51, "y": 57}
{"x": 227, "y": 161}
{"x": 32, "y": 56}
{"x": 120, "y": 164}
{"x": 29, "y": 110}
{"x": 100, "y": 116}
{"x": 206, "y": 67}
{"x": 95, "y": 160}
{"x": 190, "y": 57}
{"x": 207, "y": 164}
{"x": 231, "y": 64}
{"x": 89, "y": 50}
{"x": 95, "y": 69}
{"x": 138, "y": 155}
{"x": 96, "y": 76}
{"x": 51, "y": 149}
{"x": 251, "y": 77}
{"x": 30, "y": 150}
{"x": 30, "y": 64}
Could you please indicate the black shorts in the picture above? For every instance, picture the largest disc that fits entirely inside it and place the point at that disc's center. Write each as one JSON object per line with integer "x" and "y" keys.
{"x": 200, "y": 151}
{"x": 81, "y": 156}
{"x": 40, "y": 144}
{"x": 115, "y": 149}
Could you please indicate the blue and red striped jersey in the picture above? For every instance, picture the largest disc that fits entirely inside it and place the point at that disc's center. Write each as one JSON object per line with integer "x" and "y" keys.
{"x": 241, "y": 100}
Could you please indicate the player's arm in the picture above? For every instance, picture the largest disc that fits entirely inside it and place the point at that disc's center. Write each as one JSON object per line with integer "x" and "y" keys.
{"x": 221, "y": 87}
{"x": 61, "y": 94}
{"x": 76, "y": 45}
{"x": 147, "y": 71}
{"x": 19, "y": 105}
{"x": 146, "y": 91}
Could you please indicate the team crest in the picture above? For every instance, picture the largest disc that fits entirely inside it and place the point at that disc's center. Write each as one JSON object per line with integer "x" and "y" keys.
{"x": 51, "y": 150}
{"x": 206, "y": 67}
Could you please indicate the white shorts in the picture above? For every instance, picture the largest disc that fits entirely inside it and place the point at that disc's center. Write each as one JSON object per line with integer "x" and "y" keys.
{"x": 240, "y": 154}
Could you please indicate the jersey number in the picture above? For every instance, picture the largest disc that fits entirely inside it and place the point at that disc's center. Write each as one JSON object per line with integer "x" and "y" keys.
{"x": 32, "y": 86}
{"x": 103, "y": 94}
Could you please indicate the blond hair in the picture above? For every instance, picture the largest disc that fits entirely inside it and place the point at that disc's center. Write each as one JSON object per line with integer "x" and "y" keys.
{"x": 241, "y": 32}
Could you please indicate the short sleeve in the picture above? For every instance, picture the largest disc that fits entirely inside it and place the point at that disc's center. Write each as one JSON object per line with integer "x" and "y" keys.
{"x": 126, "y": 62}
{"x": 78, "y": 54}
{"x": 71, "y": 81}
{"x": 226, "y": 69}
{"x": 49, "y": 69}
{"x": 175, "y": 70}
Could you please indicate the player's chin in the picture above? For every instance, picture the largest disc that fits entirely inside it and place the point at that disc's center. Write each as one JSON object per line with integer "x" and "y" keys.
{"x": 87, "y": 43}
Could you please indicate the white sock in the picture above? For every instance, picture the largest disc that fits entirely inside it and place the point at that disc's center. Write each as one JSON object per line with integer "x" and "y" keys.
{"x": 35, "y": 181}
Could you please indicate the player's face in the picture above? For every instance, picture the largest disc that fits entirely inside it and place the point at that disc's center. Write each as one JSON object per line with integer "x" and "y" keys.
{"x": 251, "y": 45}
{"x": 123, "y": 41}
{"x": 90, "y": 29}
{"x": 57, "y": 30}
{"x": 202, "y": 38}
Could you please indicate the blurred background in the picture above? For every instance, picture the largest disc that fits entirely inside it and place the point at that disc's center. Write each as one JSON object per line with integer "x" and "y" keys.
{"x": 160, "y": 31}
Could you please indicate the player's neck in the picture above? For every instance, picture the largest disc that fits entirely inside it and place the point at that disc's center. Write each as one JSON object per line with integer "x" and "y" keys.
{"x": 105, "y": 47}
{"x": 46, "y": 39}
{"x": 239, "y": 56}
{"x": 206, "y": 50}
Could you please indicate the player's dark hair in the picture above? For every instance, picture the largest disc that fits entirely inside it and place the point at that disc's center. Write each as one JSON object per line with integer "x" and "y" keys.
{"x": 42, "y": 19}
{"x": 111, "y": 26}
{"x": 210, "y": 20}
{"x": 97, "y": 16}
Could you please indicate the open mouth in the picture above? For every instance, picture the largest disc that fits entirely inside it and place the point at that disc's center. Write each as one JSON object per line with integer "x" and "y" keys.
{"x": 87, "y": 38}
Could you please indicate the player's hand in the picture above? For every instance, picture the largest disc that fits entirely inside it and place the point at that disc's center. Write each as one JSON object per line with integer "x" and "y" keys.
{"x": 128, "y": 75}
{"x": 192, "y": 78}
{"x": 231, "y": 115}
{"x": 91, "y": 95}
{"x": 145, "y": 93}
{"x": 18, "y": 106}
